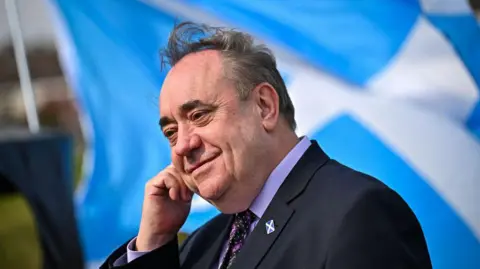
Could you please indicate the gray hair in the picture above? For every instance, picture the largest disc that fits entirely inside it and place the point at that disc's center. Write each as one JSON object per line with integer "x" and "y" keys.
{"x": 248, "y": 64}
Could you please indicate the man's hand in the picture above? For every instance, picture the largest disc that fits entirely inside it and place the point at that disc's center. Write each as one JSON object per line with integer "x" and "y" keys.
{"x": 165, "y": 208}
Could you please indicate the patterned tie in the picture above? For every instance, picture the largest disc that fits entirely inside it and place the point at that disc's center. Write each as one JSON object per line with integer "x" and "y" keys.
{"x": 238, "y": 233}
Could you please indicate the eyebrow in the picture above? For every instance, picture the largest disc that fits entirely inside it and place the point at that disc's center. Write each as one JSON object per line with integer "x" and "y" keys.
{"x": 165, "y": 121}
{"x": 184, "y": 109}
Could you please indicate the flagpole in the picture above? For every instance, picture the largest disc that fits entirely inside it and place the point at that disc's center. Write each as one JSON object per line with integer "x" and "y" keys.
{"x": 22, "y": 65}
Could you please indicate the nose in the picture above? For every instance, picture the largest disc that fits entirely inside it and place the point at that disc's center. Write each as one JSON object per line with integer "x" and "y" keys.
{"x": 186, "y": 143}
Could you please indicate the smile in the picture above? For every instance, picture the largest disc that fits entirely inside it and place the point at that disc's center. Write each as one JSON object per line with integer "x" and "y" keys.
{"x": 198, "y": 165}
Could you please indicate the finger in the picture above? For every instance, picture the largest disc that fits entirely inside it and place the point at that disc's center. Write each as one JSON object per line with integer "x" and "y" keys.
{"x": 173, "y": 186}
{"x": 186, "y": 193}
{"x": 174, "y": 194}
{"x": 158, "y": 180}
{"x": 155, "y": 191}
{"x": 177, "y": 163}
{"x": 156, "y": 186}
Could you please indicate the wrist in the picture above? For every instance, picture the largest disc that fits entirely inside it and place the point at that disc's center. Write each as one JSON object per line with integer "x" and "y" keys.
{"x": 149, "y": 243}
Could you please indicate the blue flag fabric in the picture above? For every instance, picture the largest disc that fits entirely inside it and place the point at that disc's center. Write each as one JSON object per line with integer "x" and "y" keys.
{"x": 390, "y": 88}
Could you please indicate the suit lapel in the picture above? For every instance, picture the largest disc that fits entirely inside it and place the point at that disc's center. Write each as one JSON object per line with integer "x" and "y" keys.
{"x": 259, "y": 241}
{"x": 211, "y": 255}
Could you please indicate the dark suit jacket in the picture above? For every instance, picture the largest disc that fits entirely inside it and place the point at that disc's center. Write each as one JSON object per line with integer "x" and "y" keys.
{"x": 326, "y": 216}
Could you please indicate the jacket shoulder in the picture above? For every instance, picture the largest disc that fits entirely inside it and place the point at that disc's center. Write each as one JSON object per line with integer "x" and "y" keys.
{"x": 345, "y": 183}
{"x": 335, "y": 189}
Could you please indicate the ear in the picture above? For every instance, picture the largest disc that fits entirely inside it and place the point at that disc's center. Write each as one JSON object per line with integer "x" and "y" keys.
{"x": 267, "y": 101}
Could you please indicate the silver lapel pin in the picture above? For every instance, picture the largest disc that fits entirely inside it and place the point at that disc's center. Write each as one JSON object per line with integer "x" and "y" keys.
{"x": 270, "y": 226}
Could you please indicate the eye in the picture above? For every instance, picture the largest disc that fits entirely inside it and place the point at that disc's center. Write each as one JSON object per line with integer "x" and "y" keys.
{"x": 197, "y": 115}
{"x": 169, "y": 133}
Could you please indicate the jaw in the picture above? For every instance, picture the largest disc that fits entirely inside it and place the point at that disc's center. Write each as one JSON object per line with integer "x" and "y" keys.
{"x": 224, "y": 200}
{"x": 233, "y": 201}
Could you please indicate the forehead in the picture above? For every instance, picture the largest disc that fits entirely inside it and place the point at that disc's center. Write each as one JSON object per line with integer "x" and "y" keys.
{"x": 198, "y": 76}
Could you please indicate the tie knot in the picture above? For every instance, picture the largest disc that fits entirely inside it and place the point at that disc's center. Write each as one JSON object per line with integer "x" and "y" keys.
{"x": 244, "y": 218}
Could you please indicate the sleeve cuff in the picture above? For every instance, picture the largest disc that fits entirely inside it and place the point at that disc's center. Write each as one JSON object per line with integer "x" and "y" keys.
{"x": 131, "y": 253}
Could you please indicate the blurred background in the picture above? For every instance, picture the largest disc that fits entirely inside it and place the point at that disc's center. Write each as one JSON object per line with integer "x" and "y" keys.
{"x": 388, "y": 87}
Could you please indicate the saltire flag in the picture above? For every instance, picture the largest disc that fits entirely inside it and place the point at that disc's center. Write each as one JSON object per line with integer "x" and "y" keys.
{"x": 388, "y": 87}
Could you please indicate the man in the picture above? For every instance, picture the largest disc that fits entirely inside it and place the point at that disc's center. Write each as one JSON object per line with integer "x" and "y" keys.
{"x": 285, "y": 204}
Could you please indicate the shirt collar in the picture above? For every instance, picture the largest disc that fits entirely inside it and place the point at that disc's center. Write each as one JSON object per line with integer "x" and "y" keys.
{"x": 278, "y": 175}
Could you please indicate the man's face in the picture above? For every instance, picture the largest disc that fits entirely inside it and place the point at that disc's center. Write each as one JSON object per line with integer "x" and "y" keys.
{"x": 215, "y": 137}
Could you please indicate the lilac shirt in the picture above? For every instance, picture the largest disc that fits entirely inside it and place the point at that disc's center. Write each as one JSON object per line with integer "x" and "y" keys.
{"x": 260, "y": 203}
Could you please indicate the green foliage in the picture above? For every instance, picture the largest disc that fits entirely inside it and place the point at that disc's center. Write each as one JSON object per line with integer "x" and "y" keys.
{"x": 19, "y": 242}
{"x": 182, "y": 237}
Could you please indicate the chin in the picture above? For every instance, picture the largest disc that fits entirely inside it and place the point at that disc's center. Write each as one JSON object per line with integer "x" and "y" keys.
{"x": 224, "y": 200}
{"x": 211, "y": 190}
{"x": 227, "y": 202}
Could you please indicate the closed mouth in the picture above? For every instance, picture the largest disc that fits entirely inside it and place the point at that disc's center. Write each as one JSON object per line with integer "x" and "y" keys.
{"x": 194, "y": 167}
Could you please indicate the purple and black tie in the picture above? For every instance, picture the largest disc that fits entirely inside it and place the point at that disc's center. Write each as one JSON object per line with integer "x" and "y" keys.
{"x": 238, "y": 234}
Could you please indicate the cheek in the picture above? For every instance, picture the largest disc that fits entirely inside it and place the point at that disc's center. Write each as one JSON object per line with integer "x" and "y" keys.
{"x": 232, "y": 136}
{"x": 190, "y": 183}
{"x": 249, "y": 149}
{"x": 241, "y": 146}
